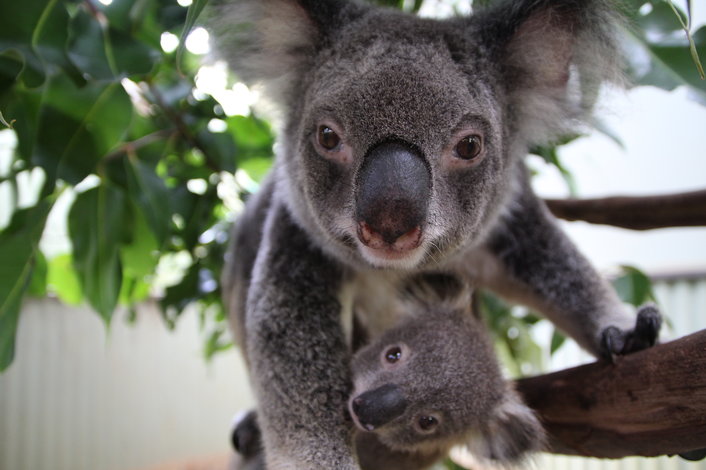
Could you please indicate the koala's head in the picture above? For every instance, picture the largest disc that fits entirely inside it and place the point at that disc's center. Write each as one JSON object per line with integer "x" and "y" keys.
{"x": 402, "y": 134}
{"x": 433, "y": 382}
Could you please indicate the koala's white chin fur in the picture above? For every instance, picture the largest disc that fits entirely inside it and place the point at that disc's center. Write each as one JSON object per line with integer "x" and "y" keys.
{"x": 387, "y": 258}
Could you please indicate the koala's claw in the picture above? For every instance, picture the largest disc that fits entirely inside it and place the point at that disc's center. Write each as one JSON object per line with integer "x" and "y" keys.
{"x": 617, "y": 342}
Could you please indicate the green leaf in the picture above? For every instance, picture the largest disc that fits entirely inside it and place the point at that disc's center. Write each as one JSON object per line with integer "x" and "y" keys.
{"x": 11, "y": 64}
{"x": 97, "y": 223}
{"x": 256, "y": 168}
{"x": 104, "y": 53}
{"x": 37, "y": 30}
{"x": 662, "y": 56}
{"x": 151, "y": 195}
{"x": 78, "y": 126}
{"x": 219, "y": 149}
{"x": 193, "y": 13}
{"x": 253, "y": 137}
{"x": 19, "y": 254}
{"x": 558, "y": 340}
{"x": 634, "y": 286}
{"x": 139, "y": 257}
{"x": 38, "y": 283}
{"x": 62, "y": 280}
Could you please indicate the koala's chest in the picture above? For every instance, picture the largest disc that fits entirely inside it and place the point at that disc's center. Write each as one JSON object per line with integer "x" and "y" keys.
{"x": 373, "y": 298}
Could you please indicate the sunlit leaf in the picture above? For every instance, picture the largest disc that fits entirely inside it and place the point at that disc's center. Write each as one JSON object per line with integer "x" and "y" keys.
{"x": 139, "y": 256}
{"x": 660, "y": 52}
{"x": 192, "y": 15}
{"x": 62, "y": 280}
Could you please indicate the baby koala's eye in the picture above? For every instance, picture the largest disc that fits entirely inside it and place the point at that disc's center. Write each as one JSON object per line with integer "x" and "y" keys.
{"x": 427, "y": 423}
{"x": 328, "y": 138}
{"x": 469, "y": 147}
{"x": 393, "y": 354}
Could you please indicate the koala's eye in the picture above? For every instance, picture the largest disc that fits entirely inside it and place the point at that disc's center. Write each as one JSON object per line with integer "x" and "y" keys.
{"x": 427, "y": 423}
{"x": 393, "y": 354}
{"x": 469, "y": 147}
{"x": 328, "y": 138}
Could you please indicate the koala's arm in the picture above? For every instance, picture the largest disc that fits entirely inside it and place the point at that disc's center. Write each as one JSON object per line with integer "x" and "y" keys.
{"x": 299, "y": 364}
{"x": 529, "y": 259}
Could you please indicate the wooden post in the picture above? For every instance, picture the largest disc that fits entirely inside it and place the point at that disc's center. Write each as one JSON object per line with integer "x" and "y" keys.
{"x": 649, "y": 403}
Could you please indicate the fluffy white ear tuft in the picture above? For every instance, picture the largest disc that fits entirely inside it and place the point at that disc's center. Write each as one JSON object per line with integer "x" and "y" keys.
{"x": 512, "y": 433}
{"x": 268, "y": 41}
{"x": 555, "y": 56}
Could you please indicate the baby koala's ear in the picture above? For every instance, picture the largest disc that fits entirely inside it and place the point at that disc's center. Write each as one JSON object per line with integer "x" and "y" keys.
{"x": 511, "y": 434}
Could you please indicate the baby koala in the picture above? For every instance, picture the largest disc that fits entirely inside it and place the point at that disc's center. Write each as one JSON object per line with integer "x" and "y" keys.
{"x": 427, "y": 384}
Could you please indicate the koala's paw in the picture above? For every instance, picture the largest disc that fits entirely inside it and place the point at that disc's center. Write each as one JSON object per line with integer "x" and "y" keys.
{"x": 245, "y": 436}
{"x": 617, "y": 342}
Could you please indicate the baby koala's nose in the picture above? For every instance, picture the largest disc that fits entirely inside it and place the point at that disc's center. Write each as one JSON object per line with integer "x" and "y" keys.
{"x": 375, "y": 408}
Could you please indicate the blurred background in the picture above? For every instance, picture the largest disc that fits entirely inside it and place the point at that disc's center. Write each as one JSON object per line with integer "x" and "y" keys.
{"x": 125, "y": 157}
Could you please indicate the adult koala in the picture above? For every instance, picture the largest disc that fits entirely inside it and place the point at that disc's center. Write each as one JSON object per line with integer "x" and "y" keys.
{"x": 401, "y": 152}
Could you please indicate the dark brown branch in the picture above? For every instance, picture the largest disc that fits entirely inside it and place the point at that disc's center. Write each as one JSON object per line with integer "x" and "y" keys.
{"x": 636, "y": 213}
{"x": 649, "y": 403}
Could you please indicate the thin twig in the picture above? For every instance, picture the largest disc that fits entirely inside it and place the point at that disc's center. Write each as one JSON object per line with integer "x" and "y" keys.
{"x": 139, "y": 143}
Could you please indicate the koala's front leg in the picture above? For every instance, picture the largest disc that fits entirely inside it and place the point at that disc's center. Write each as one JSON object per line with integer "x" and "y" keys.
{"x": 299, "y": 361}
{"x": 529, "y": 259}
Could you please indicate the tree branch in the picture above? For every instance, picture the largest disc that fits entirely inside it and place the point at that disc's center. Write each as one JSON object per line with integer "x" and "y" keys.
{"x": 636, "y": 213}
{"x": 648, "y": 403}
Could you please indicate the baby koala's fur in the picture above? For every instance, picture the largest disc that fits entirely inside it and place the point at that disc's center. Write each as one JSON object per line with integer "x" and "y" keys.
{"x": 427, "y": 384}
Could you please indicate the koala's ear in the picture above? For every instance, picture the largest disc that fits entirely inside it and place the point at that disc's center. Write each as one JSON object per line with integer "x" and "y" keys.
{"x": 512, "y": 433}
{"x": 274, "y": 41}
{"x": 554, "y": 56}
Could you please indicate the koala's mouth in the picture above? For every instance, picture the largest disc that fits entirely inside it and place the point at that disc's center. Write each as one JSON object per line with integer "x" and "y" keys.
{"x": 398, "y": 245}
{"x": 389, "y": 251}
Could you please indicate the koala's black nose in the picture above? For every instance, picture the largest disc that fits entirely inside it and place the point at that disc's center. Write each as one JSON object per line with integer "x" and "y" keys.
{"x": 375, "y": 408}
{"x": 393, "y": 190}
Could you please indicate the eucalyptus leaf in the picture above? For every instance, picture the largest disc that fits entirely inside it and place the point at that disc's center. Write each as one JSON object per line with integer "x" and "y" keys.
{"x": 558, "y": 340}
{"x": 192, "y": 15}
{"x": 150, "y": 194}
{"x": 19, "y": 254}
{"x": 659, "y": 52}
{"x": 97, "y": 222}
{"x": 38, "y": 31}
{"x": 633, "y": 286}
{"x": 104, "y": 53}
{"x": 78, "y": 126}
{"x": 62, "y": 280}
{"x": 139, "y": 256}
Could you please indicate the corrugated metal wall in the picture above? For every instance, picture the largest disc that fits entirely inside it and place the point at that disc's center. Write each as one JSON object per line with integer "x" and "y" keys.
{"x": 80, "y": 398}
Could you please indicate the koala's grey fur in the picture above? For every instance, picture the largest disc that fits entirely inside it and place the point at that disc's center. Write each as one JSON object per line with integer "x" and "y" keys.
{"x": 446, "y": 369}
{"x": 399, "y": 90}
